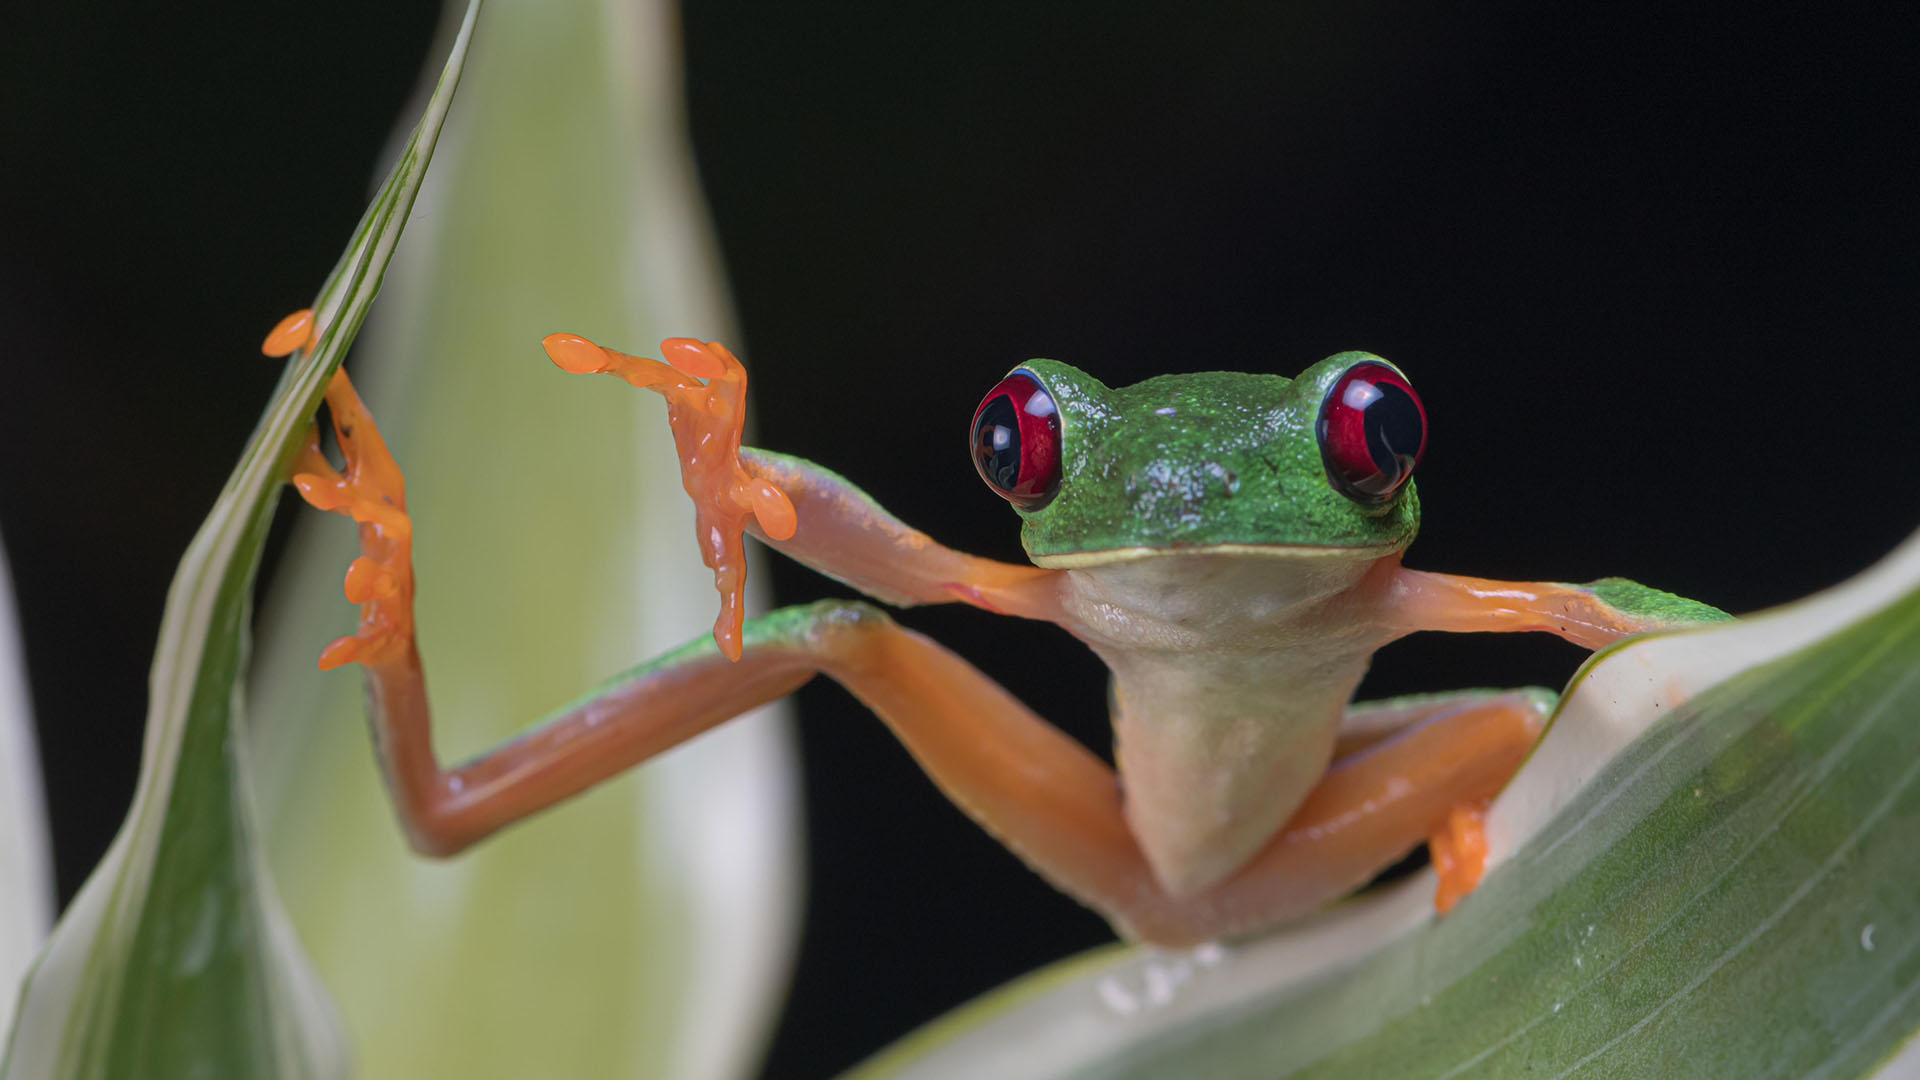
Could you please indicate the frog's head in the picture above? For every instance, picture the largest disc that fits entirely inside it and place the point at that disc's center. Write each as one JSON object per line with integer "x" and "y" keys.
{"x": 1216, "y": 461}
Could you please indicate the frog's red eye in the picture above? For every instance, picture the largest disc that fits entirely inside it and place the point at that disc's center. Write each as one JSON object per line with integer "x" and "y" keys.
{"x": 1372, "y": 432}
{"x": 1016, "y": 441}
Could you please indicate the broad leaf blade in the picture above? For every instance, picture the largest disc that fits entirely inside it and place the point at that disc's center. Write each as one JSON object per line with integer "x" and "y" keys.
{"x": 646, "y": 927}
{"x": 174, "y": 959}
{"x": 1706, "y": 869}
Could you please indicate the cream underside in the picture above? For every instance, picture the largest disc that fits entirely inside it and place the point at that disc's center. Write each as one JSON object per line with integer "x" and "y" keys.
{"x": 1232, "y": 667}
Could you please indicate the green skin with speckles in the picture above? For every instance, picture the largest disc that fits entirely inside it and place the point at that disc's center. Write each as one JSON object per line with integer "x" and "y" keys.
{"x": 1217, "y": 457}
{"x": 1649, "y": 603}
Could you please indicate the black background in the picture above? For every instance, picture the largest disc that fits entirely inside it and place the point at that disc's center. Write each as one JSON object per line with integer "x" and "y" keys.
{"x": 1654, "y": 273}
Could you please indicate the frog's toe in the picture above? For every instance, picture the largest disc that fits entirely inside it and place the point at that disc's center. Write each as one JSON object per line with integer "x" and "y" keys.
{"x": 1459, "y": 850}
{"x": 322, "y": 491}
{"x": 700, "y": 359}
{"x": 769, "y": 506}
{"x": 291, "y": 334}
{"x": 574, "y": 354}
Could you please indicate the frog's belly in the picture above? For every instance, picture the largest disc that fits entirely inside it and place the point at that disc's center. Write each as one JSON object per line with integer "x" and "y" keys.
{"x": 1231, "y": 674}
{"x": 1209, "y": 776}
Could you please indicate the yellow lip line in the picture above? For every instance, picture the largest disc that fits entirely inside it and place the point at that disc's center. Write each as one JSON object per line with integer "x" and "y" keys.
{"x": 1078, "y": 560}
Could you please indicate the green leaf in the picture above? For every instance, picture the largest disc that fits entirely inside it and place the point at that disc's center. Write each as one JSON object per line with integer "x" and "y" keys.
{"x": 26, "y": 869}
{"x": 175, "y": 959}
{"x": 1706, "y": 868}
{"x": 645, "y": 928}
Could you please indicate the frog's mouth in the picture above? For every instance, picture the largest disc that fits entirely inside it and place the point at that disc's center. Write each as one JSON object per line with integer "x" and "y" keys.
{"x": 1081, "y": 560}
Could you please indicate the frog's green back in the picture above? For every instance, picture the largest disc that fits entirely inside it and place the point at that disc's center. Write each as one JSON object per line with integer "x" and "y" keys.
{"x": 1210, "y": 458}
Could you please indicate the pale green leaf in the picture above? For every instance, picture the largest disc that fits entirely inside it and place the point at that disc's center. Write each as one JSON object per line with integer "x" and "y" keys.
{"x": 175, "y": 959}
{"x": 646, "y": 928}
{"x": 1706, "y": 869}
{"x": 26, "y": 867}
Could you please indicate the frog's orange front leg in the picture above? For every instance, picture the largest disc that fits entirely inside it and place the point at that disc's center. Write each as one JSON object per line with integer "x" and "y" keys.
{"x": 800, "y": 509}
{"x": 1593, "y": 615}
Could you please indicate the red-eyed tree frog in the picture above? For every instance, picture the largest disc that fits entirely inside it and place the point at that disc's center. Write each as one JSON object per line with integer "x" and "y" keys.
{"x": 1229, "y": 544}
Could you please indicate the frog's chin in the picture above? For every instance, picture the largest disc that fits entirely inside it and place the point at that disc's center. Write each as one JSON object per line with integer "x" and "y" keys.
{"x": 1081, "y": 560}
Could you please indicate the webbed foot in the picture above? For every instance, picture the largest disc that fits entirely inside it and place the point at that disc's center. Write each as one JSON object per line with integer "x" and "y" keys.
{"x": 707, "y": 419}
{"x": 372, "y": 492}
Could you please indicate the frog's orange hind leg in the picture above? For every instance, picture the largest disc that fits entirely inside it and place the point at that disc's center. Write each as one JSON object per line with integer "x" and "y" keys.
{"x": 1370, "y": 810}
{"x": 443, "y": 811}
{"x": 1457, "y": 842}
{"x": 659, "y": 704}
{"x": 1369, "y": 723}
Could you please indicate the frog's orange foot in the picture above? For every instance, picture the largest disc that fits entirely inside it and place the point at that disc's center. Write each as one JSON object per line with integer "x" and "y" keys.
{"x": 707, "y": 418}
{"x": 1459, "y": 850}
{"x": 291, "y": 334}
{"x": 370, "y": 491}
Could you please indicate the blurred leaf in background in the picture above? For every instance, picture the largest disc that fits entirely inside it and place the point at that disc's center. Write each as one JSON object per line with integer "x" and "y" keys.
{"x": 646, "y": 928}
{"x": 175, "y": 958}
{"x": 1708, "y": 871}
{"x": 26, "y": 871}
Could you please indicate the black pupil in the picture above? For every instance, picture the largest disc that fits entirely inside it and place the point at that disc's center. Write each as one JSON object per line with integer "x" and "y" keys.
{"x": 996, "y": 443}
{"x": 1393, "y": 433}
